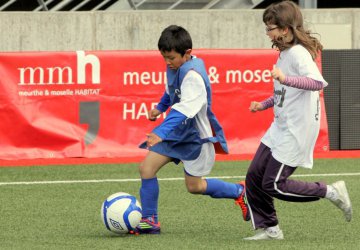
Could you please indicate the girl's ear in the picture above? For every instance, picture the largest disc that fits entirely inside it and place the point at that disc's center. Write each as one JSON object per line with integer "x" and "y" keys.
{"x": 285, "y": 31}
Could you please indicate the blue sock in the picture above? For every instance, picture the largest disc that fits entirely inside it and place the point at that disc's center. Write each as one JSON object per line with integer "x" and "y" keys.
{"x": 149, "y": 195}
{"x": 221, "y": 189}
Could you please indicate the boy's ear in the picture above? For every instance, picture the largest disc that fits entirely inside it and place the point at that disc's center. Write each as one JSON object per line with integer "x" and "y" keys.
{"x": 188, "y": 52}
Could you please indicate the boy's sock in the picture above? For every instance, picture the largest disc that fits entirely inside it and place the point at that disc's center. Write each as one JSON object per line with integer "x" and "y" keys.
{"x": 149, "y": 195}
{"x": 221, "y": 189}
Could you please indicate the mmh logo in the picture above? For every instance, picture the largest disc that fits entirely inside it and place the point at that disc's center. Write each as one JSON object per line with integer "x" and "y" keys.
{"x": 46, "y": 76}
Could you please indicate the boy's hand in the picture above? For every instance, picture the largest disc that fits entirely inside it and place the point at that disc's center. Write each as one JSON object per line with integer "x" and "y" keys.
{"x": 152, "y": 139}
{"x": 153, "y": 114}
{"x": 256, "y": 106}
{"x": 277, "y": 74}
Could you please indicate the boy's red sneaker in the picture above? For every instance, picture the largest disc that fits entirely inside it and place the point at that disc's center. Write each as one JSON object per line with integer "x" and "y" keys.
{"x": 242, "y": 202}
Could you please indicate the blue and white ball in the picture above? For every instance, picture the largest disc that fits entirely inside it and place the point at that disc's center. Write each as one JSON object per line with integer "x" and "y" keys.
{"x": 121, "y": 212}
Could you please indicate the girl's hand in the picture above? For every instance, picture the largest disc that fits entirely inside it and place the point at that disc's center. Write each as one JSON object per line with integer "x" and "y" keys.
{"x": 277, "y": 74}
{"x": 256, "y": 106}
{"x": 153, "y": 114}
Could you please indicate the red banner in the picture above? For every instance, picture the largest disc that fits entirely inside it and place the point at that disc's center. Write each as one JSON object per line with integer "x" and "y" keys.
{"x": 94, "y": 103}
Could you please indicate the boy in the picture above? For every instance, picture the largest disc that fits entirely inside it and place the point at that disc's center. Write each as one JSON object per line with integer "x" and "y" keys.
{"x": 187, "y": 134}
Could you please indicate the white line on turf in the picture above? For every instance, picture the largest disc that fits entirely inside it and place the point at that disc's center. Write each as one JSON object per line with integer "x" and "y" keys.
{"x": 160, "y": 179}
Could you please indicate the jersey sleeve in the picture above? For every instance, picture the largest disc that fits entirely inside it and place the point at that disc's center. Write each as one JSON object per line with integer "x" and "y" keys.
{"x": 164, "y": 103}
{"x": 193, "y": 95}
{"x": 172, "y": 120}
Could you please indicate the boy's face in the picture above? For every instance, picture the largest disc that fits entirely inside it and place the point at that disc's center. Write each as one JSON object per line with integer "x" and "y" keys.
{"x": 174, "y": 59}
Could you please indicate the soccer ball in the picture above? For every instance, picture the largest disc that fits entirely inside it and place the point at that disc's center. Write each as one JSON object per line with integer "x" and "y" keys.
{"x": 121, "y": 212}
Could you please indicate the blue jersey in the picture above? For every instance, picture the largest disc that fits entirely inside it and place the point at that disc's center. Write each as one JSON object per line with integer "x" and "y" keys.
{"x": 183, "y": 142}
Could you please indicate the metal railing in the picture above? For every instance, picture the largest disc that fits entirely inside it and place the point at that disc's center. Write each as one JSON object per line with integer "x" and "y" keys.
{"x": 93, "y": 5}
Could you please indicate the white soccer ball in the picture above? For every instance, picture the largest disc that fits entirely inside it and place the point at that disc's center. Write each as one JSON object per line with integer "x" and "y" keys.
{"x": 121, "y": 212}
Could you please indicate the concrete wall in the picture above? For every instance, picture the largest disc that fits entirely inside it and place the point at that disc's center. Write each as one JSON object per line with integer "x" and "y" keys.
{"x": 132, "y": 30}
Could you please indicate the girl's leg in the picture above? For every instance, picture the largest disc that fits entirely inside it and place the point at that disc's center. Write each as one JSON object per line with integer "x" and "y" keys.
{"x": 277, "y": 184}
{"x": 261, "y": 205}
{"x": 268, "y": 178}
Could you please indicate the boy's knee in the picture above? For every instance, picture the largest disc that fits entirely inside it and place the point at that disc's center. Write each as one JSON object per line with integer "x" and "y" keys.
{"x": 146, "y": 172}
{"x": 141, "y": 168}
{"x": 194, "y": 189}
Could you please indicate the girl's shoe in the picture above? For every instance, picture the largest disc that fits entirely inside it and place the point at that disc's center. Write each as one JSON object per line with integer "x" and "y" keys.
{"x": 267, "y": 234}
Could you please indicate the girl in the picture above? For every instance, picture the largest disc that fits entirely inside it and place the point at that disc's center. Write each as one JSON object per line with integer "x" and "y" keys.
{"x": 290, "y": 140}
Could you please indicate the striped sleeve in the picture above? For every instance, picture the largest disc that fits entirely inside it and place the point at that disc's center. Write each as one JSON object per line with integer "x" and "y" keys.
{"x": 268, "y": 103}
{"x": 303, "y": 82}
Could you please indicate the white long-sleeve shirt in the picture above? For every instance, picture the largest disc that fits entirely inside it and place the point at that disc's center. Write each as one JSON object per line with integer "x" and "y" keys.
{"x": 293, "y": 133}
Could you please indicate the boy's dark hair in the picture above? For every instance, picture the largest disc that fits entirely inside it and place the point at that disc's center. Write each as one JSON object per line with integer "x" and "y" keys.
{"x": 175, "y": 38}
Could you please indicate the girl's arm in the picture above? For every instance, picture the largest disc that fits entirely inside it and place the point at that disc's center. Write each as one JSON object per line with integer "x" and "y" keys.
{"x": 260, "y": 106}
{"x": 303, "y": 82}
{"x": 268, "y": 103}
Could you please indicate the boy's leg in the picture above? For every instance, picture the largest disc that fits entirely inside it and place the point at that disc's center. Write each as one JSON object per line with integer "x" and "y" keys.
{"x": 216, "y": 188}
{"x": 213, "y": 187}
{"x": 149, "y": 193}
{"x": 196, "y": 169}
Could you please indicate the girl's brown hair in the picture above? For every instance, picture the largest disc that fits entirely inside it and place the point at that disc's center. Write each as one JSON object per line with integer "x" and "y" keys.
{"x": 287, "y": 14}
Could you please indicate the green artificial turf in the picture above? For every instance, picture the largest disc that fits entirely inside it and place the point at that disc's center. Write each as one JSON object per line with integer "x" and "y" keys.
{"x": 40, "y": 211}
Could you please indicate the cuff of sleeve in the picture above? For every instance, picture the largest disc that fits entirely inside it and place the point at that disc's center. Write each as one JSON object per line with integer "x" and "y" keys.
{"x": 159, "y": 133}
{"x": 162, "y": 108}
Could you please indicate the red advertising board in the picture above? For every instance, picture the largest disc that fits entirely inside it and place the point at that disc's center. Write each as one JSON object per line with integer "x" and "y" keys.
{"x": 95, "y": 103}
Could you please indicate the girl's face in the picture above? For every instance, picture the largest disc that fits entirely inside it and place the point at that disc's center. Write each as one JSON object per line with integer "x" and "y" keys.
{"x": 273, "y": 31}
